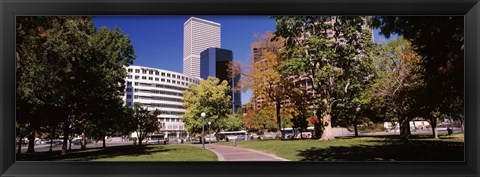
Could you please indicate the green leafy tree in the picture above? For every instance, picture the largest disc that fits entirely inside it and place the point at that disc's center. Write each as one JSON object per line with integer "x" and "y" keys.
{"x": 65, "y": 66}
{"x": 146, "y": 121}
{"x": 211, "y": 97}
{"x": 328, "y": 51}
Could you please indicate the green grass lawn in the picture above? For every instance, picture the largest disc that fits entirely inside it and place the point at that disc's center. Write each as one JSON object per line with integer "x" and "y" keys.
{"x": 128, "y": 153}
{"x": 387, "y": 148}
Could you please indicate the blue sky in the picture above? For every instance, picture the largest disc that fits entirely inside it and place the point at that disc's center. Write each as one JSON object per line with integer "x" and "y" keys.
{"x": 158, "y": 40}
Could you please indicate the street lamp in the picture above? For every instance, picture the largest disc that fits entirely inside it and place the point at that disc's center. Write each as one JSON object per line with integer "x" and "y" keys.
{"x": 209, "y": 136}
{"x": 203, "y": 119}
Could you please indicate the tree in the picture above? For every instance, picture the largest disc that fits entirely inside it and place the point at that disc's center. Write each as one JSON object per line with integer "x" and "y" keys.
{"x": 399, "y": 82}
{"x": 264, "y": 79}
{"x": 261, "y": 119}
{"x": 440, "y": 42}
{"x": 146, "y": 121}
{"x": 327, "y": 50}
{"x": 210, "y": 96}
{"x": 65, "y": 66}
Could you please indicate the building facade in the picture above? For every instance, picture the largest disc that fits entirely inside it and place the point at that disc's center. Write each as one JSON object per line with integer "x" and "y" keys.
{"x": 198, "y": 35}
{"x": 214, "y": 63}
{"x": 162, "y": 90}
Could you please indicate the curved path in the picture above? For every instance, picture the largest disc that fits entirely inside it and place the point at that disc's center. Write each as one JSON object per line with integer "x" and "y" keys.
{"x": 229, "y": 153}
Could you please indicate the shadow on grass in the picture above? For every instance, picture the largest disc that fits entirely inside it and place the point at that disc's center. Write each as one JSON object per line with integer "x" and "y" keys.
{"x": 389, "y": 150}
{"x": 93, "y": 153}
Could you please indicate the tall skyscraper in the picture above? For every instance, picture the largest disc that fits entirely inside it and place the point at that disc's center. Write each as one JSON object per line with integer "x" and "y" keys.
{"x": 214, "y": 63}
{"x": 198, "y": 35}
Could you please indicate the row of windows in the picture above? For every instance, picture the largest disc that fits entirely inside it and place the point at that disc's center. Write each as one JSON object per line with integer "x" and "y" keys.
{"x": 157, "y": 92}
{"x": 163, "y": 80}
{"x": 174, "y": 127}
{"x": 158, "y": 86}
{"x": 164, "y": 105}
{"x": 172, "y": 113}
{"x": 158, "y": 98}
{"x": 170, "y": 120}
{"x": 157, "y": 73}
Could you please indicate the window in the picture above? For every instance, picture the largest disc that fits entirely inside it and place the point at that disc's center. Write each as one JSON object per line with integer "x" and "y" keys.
{"x": 129, "y": 96}
{"x": 173, "y": 76}
{"x": 130, "y": 70}
{"x": 129, "y": 83}
{"x": 168, "y": 75}
{"x": 163, "y": 80}
{"x": 136, "y": 83}
{"x": 129, "y": 89}
{"x": 137, "y": 71}
{"x": 157, "y": 73}
{"x": 178, "y": 77}
{"x": 168, "y": 80}
{"x": 163, "y": 74}
{"x": 183, "y": 78}
{"x": 129, "y": 103}
{"x": 150, "y": 72}
{"x": 156, "y": 79}
{"x": 144, "y": 71}
{"x": 136, "y": 90}
{"x": 135, "y": 96}
{"x": 150, "y": 78}
{"x": 178, "y": 82}
{"x": 129, "y": 76}
{"x": 144, "y": 77}
{"x": 137, "y": 77}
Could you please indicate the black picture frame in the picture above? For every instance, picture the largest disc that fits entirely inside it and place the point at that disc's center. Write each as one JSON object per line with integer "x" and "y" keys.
{"x": 11, "y": 8}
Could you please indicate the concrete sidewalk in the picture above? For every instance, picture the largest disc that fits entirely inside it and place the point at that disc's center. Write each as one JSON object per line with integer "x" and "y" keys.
{"x": 228, "y": 153}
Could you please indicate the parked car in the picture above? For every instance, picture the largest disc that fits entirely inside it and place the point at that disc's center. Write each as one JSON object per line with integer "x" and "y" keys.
{"x": 41, "y": 141}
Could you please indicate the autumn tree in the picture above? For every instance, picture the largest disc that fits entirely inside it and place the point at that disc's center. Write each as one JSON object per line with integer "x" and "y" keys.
{"x": 269, "y": 87}
{"x": 328, "y": 51}
{"x": 439, "y": 41}
{"x": 210, "y": 96}
{"x": 261, "y": 120}
{"x": 399, "y": 82}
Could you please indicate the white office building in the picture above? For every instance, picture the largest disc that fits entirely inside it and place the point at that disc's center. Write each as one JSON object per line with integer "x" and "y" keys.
{"x": 198, "y": 35}
{"x": 162, "y": 90}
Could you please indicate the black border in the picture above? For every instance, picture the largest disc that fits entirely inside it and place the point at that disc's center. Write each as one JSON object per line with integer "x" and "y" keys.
{"x": 10, "y": 8}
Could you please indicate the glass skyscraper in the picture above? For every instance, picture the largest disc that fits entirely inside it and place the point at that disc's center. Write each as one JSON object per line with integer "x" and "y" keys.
{"x": 213, "y": 63}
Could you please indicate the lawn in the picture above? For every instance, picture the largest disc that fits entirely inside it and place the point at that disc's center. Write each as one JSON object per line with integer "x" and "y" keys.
{"x": 128, "y": 153}
{"x": 386, "y": 148}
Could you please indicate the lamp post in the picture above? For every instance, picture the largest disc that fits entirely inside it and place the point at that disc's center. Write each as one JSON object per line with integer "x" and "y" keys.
{"x": 203, "y": 139}
{"x": 209, "y": 136}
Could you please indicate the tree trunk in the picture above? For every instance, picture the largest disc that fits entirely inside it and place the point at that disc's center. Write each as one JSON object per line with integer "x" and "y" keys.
{"x": 279, "y": 124}
{"x": 463, "y": 126}
{"x": 66, "y": 132}
{"x": 140, "y": 141}
{"x": 83, "y": 144}
{"x": 31, "y": 141}
{"x": 355, "y": 126}
{"x": 104, "y": 143}
{"x": 51, "y": 139}
{"x": 327, "y": 131}
{"x": 19, "y": 151}
{"x": 434, "y": 128}
{"x": 69, "y": 144}
{"x": 405, "y": 129}
{"x": 318, "y": 130}
{"x": 51, "y": 144}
